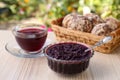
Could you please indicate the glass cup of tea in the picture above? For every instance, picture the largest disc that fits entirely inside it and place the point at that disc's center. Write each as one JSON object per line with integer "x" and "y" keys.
{"x": 30, "y": 37}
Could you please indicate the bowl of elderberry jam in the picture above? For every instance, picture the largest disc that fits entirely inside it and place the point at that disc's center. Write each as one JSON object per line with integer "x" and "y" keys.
{"x": 68, "y": 57}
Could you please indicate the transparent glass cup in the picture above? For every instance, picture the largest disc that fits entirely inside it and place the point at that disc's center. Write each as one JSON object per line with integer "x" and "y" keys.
{"x": 30, "y": 37}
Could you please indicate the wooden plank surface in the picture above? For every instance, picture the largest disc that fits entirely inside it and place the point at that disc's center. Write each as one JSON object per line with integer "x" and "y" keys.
{"x": 102, "y": 66}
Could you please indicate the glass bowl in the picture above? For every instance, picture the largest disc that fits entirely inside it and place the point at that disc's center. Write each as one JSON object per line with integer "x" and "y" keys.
{"x": 68, "y": 65}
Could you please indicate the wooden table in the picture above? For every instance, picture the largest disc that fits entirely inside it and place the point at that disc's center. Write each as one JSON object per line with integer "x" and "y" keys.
{"x": 102, "y": 66}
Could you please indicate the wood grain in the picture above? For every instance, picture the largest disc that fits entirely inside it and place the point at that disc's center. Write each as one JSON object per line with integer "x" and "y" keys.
{"x": 102, "y": 66}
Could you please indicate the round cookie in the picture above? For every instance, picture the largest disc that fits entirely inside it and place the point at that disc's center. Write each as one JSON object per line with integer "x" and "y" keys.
{"x": 77, "y": 22}
{"x": 102, "y": 29}
{"x": 114, "y": 23}
{"x": 94, "y": 18}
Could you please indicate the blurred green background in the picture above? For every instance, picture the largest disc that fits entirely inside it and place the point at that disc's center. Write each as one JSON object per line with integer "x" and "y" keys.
{"x": 47, "y": 10}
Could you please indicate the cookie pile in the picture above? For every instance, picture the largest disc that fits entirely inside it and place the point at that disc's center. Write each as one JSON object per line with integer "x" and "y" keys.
{"x": 91, "y": 23}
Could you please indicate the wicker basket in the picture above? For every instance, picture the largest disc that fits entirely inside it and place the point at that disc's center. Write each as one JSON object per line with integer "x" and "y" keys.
{"x": 64, "y": 34}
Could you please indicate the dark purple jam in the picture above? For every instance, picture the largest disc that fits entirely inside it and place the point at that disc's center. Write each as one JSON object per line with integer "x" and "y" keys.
{"x": 33, "y": 43}
{"x": 68, "y": 51}
{"x": 68, "y": 58}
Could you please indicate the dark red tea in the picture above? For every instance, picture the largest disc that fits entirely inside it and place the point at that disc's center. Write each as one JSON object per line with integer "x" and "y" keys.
{"x": 31, "y": 39}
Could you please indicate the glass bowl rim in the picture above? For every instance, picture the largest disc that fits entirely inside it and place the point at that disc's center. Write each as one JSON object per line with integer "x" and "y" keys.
{"x": 81, "y": 60}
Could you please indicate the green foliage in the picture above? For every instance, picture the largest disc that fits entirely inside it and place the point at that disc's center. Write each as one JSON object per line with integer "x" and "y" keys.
{"x": 18, "y": 9}
{"x": 50, "y": 9}
{"x": 104, "y": 8}
{"x": 59, "y": 8}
